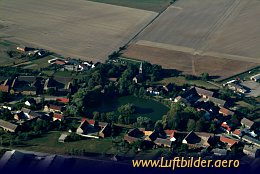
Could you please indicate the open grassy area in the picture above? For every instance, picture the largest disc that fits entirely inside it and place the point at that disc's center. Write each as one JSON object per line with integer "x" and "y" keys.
{"x": 152, "y": 5}
{"x": 63, "y": 73}
{"x": 41, "y": 62}
{"x": 245, "y": 105}
{"x": 181, "y": 81}
{"x": 49, "y": 144}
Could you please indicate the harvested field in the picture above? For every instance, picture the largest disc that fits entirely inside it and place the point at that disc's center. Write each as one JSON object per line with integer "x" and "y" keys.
{"x": 188, "y": 63}
{"x": 193, "y": 35}
{"x": 151, "y": 5}
{"x": 81, "y": 28}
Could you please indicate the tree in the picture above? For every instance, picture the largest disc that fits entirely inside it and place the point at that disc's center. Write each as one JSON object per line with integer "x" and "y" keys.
{"x": 51, "y": 91}
{"x": 126, "y": 109}
{"x": 96, "y": 116}
{"x": 199, "y": 125}
{"x": 212, "y": 128}
{"x": 191, "y": 125}
{"x": 205, "y": 76}
{"x": 4, "y": 97}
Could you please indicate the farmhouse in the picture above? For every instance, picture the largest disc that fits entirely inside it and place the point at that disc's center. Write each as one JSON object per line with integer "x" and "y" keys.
{"x": 237, "y": 88}
{"x": 7, "y": 126}
{"x": 247, "y": 123}
{"x": 230, "y": 142}
{"x": 218, "y": 102}
{"x": 251, "y": 151}
{"x": 226, "y": 112}
{"x": 163, "y": 142}
{"x": 255, "y": 78}
{"x": 204, "y": 93}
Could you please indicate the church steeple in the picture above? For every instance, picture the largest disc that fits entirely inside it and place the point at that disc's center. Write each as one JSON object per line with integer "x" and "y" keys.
{"x": 141, "y": 68}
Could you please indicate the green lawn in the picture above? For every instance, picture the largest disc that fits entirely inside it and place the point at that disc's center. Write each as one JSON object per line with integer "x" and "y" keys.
{"x": 49, "y": 144}
{"x": 181, "y": 81}
{"x": 41, "y": 62}
{"x": 245, "y": 105}
{"x": 151, "y": 5}
{"x": 63, "y": 73}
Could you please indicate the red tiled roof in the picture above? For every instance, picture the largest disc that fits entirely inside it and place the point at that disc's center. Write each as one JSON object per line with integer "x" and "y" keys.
{"x": 229, "y": 141}
{"x": 60, "y": 62}
{"x": 226, "y": 111}
{"x": 63, "y": 100}
{"x": 55, "y": 107}
{"x": 58, "y": 116}
{"x": 4, "y": 88}
{"x": 225, "y": 126}
{"x": 237, "y": 132}
{"x": 90, "y": 121}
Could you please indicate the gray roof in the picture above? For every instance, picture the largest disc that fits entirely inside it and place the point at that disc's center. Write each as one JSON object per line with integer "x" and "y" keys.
{"x": 8, "y": 125}
{"x": 217, "y": 101}
{"x": 163, "y": 141}
{"x": 204, "y": 92}
{"x": 218, "y": 151}
{"x": 25, "y": 110}
{"x": 247, "y": 122}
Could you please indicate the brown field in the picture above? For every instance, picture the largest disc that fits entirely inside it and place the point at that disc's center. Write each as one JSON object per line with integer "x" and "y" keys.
{"x": 189, "y": 64}
{"x": 77, "y": 28}
{"x": 219, "y": 37}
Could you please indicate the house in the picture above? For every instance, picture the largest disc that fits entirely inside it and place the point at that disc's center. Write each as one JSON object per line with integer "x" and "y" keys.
{"x": 63, "y": 138}
{"x": 219, "y": 152}
{"x": 153, "y": 91}
{"x": 255, "y": 78}
{"x": 191, "y": 138}
{"x": 30, "y": 102}
{"x": 170, "y": 134}
{"x": 169, "y": 87}
{"x": 225, "y": 112}
{"x": 237, "y": 133}
{"x": 247, "y": 123}
{"x": 24, "y": 49}
{"x": 204, "y": 93}
{"x": 218, "y": 102}
{"x": 4, "y": 88}
{"x": 83, "y": 127}
{"x": 251, "y": 151}
{"x": 62, "y": 85}
{"x": 27, "y": 85}
{"x": 130, "y": 139}
{"x": 237, "y": 88}
{"x": 251, "y": 140}
{"x": 180, "y": 99}
{"x": 225, "y": 127}
{"x": 135, "y": 132}
{"x": 60, "y": 62}
{"x": 138, "y": 78}
{"x": 7, "y": 126}
{"x": 63, "y": 100}
{"x": 152, "y": 137}
{"x": 230, "y": 142}
{"x": 58, "y": 117}
{"x": 53, "y": 108}
{"x": 105, "y": 130}
{"x": 163, "y": 142}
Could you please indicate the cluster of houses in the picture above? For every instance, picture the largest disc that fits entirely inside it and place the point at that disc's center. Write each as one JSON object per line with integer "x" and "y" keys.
{"x": 50, "y": 113}
{"x": 32, "y": 85}
{"x": 72, "y": 64}
{"x": 32, "y": 51}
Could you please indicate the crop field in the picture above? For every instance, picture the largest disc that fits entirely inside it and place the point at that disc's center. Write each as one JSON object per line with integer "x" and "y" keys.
{"x": 151, "y": 5}
{"x": 81, "y": 29}
{"x": 193, "y": 35}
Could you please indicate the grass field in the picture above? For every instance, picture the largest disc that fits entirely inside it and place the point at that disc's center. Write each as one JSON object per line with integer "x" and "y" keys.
{"x": 42, "y": 62}
{"x": 151, "y": 5}
{"x": 82, "y": 29}
{"x": 4, "y": 58}
{"x": 49, "y": 144}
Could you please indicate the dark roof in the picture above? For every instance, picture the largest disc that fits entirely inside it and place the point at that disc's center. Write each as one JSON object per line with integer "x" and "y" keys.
{"x": 25, "y": 110}
{"x": 205, "y": 92}
{"x": 247, "y": 122}
{"x": 29, "y": 79}
{"x": 25, "y": 88}
{"x": 192, "y": 138}
{"x": 8, "y": 125}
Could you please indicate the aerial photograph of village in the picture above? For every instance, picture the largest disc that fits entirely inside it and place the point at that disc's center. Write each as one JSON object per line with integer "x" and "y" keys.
{"x": 136, "y": 86}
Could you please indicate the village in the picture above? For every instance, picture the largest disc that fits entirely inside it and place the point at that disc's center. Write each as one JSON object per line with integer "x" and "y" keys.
{"x": 199, "y": 121}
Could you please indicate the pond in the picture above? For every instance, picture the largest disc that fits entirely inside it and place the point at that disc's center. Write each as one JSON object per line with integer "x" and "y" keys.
{"x": 144, "y": 107}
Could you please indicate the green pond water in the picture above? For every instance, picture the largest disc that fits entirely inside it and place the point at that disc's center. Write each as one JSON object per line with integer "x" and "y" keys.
{"x": 144, "y": 107}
